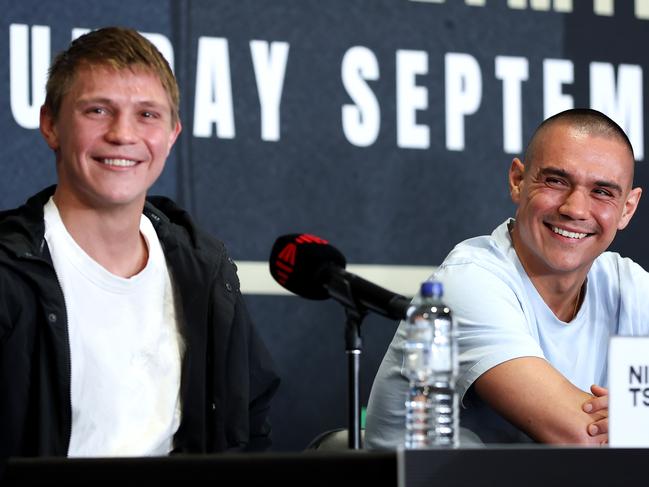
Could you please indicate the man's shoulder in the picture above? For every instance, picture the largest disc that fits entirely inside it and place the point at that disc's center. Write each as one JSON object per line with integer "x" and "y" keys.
{"x": 613, "y": 268}
{"x": 22, "y": 228}
{"x": 485, "y": 268}
{"x": 486, "y": 251}
{"x": 178, "y": 232}
{"x": 170, "y": 218}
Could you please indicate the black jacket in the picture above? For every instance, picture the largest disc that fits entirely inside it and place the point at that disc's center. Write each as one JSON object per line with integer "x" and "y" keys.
{"x": 227, "y": 378}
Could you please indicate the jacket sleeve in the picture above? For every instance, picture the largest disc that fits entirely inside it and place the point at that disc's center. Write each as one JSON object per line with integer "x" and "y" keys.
{"x": 7, "y": 308}
{"x": 228, "y": 378}
{"x": 17, "y": 318}
{"x": 263, "y": 383}
{"x": 248, "y": 372}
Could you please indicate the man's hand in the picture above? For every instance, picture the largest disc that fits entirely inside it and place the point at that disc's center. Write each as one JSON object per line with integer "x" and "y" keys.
{"x": 597, "y": 407}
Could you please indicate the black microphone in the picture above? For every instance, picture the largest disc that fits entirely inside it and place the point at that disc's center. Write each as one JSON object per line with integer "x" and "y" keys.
{"x": 308, "y": 266}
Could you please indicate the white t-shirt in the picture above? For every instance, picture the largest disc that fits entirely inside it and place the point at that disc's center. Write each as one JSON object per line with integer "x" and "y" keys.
{"x": 125, "y": 349}
{"x": 501, "y": 316}
{"x": 507, "y": 318}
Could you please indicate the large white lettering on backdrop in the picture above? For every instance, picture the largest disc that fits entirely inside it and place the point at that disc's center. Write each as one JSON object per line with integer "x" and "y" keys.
{"x": 615, "y": 90}
{"x": 27, "y": 98}
{"x": 213, "y": 104}
{"x": 620, "y": 97}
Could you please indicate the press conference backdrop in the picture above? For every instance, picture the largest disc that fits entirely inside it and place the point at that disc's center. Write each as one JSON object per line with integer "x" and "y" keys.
{"x": 385, "y": 126}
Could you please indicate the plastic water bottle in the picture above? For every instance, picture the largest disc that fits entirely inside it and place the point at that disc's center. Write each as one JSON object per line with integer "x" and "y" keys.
{"x": 431, "y": 367}
{"x": 418, "y": 369}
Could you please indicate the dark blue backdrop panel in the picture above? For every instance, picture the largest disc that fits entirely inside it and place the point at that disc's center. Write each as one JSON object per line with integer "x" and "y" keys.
{"x": 374, "y": 201}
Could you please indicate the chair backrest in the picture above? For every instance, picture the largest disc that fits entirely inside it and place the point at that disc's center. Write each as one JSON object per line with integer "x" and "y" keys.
{"x": 332, "y": 440}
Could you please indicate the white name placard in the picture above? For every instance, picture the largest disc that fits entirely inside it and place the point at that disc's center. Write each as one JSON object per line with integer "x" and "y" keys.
{"x": 628, "y": 381}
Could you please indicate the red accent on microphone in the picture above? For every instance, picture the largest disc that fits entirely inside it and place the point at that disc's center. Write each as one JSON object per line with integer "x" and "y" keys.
{"x": 308, "y": 238}
{"x": 281, "y": 277}
{"x": 300, "y": 262}
{"x": 288, "y": 254}
{"x": 283, "y": 266}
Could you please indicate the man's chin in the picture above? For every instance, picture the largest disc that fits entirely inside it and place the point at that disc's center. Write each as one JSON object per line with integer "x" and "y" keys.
{"x": 571, "y": 266}
{"x": 115, "y": 201}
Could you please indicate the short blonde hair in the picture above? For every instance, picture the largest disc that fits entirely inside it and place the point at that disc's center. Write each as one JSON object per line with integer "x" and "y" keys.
{"x": 116, "y": 47}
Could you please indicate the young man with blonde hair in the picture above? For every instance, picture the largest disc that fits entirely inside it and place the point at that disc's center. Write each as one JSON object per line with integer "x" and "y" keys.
{"x": 122, "y": 328}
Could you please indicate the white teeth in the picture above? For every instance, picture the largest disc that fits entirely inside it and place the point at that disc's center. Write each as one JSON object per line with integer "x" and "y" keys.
{"x": 568, "y": 234}
{"x": 119, "y": 162}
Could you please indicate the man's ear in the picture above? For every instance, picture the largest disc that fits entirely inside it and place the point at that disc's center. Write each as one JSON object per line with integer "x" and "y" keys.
{"x": 516, "y": 174}
{"x": 630, "y": 205}
{"x": 48, "y": 129}
{"x": 178, "y": 127}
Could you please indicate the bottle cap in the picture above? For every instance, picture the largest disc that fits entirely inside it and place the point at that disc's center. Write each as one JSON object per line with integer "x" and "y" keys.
{"x": 431, "y": 288}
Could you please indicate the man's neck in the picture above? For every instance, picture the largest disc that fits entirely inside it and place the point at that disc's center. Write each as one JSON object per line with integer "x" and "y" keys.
{"x": 561, "y": 292}
{"x": 563, "y": 296}
{"x": 111, "y": 236}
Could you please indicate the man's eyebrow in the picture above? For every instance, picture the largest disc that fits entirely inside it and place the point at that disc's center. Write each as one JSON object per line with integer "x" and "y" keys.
{"x": 555, "y": 171}
{"x": 93, "y": 99}
{"x": 610, "y": 185}
{"x": 152, "y": 104}
{"x": 107, "y": 99}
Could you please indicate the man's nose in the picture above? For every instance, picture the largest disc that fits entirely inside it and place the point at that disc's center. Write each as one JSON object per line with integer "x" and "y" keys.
{"x": 121, "y": 130}
{"x": 576, "y": 205}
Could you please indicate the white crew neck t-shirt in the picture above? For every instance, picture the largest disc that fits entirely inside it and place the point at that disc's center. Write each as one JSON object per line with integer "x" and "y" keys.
{"x": 125, "y": 349}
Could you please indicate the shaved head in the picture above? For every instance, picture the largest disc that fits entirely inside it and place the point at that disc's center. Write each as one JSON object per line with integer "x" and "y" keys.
{"x": 584, "y": 120}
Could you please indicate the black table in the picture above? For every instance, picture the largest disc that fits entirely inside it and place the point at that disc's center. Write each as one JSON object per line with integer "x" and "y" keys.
{"x": 527, "y": 466}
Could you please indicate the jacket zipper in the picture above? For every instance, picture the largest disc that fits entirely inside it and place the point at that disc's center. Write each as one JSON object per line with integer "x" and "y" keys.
{"x": 68, "y": 359}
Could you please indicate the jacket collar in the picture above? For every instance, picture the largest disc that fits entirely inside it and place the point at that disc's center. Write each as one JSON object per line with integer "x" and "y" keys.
{"x": 22, "y": 229}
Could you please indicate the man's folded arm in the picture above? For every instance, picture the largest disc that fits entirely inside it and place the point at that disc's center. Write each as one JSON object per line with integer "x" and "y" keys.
{"x": 539, "y": 400}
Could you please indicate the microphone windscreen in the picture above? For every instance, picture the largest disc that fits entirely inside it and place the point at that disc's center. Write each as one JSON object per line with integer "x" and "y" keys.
{"x": 297, "y": 262}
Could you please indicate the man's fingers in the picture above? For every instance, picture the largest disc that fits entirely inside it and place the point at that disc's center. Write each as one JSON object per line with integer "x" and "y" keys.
{"x": 598, "y": 390}
{"x": 598, "y": 427}
{"x": 595, "y": 404}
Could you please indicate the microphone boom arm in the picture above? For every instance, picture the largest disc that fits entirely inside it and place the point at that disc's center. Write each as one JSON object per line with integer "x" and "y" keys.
{"x": 355, "y": 292}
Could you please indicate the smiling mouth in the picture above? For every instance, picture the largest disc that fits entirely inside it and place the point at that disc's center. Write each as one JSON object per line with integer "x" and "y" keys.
{"x": 118, "y": 162}
{"x": 567, "y": 234}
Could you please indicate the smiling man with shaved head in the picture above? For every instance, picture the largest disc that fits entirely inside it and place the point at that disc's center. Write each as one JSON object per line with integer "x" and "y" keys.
{"x": 537, "y": 300}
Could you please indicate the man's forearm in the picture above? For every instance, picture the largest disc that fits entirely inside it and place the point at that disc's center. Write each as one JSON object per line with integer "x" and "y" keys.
{"x": 536, "y": 398}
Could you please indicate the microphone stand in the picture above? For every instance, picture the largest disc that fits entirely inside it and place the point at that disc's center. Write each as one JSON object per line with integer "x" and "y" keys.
{"x": 353, "y": 348}
{"x": 341, "y": 290}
